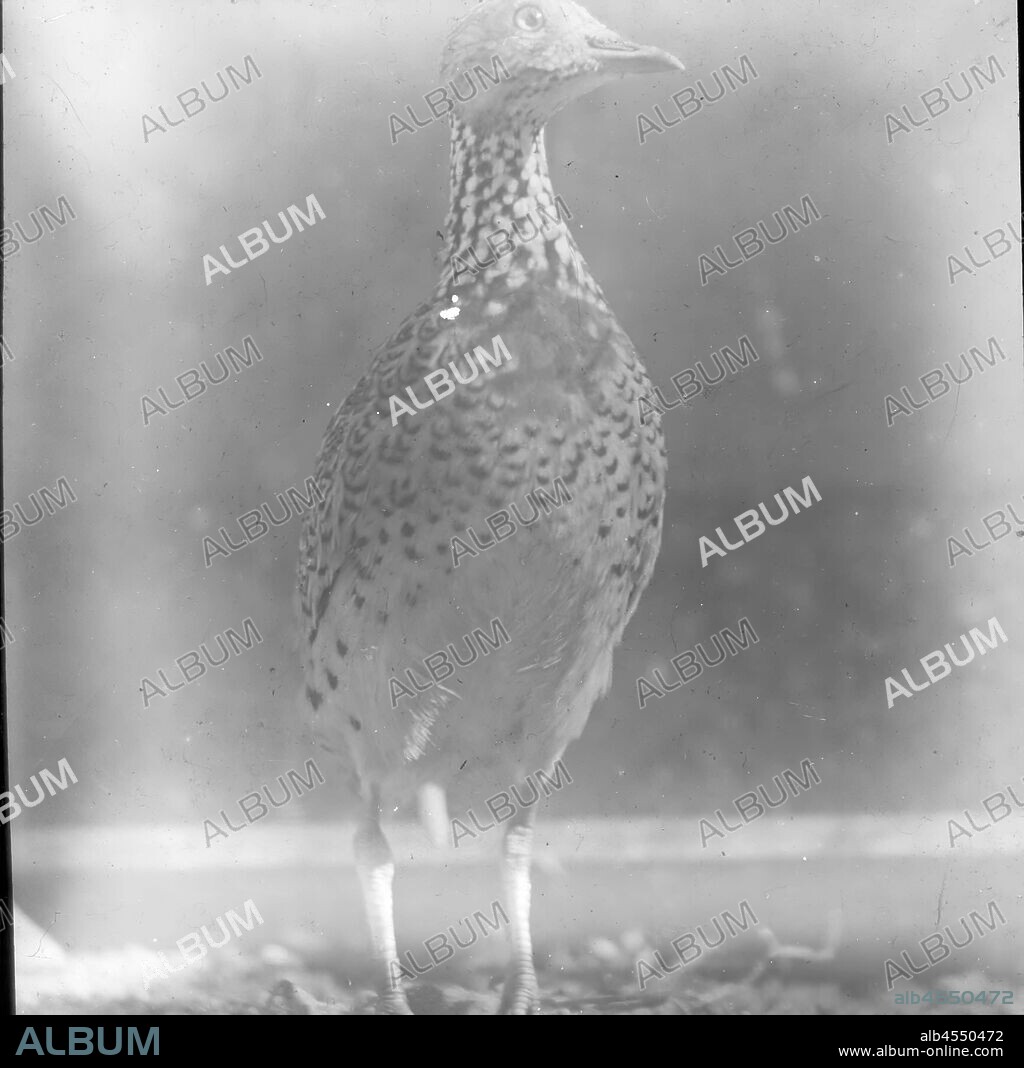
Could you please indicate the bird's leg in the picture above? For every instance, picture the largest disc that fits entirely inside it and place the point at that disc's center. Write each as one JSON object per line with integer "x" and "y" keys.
{"x": 376, "y": 868}
{"x": 520, "y": 996}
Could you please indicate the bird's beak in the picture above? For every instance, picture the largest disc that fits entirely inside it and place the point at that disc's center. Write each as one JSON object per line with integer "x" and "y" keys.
{"x": 619, "y": 56}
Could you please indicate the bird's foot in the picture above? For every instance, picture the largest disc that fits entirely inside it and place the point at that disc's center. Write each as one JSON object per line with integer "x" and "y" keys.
{"x": 520, "y": 997}
{"x": 393, "y": 1003}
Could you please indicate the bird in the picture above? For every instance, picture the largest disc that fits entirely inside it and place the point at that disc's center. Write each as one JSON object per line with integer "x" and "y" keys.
{"x": 534, "y": 397}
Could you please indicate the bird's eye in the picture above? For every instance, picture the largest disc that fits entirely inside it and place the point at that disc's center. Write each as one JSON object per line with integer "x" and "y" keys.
{"x": 529, "y": 17}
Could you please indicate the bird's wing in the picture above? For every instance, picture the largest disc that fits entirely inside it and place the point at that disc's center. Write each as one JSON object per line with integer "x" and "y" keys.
{"x": 341, "y": 472}
{"x": 330, "y": 545}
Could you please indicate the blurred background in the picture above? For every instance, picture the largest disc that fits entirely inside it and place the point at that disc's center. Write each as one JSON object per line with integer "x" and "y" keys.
{"x": 113, "y": 305}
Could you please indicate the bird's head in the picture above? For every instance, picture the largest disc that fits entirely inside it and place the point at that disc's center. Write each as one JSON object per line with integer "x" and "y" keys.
{"x": 543, "y": 53}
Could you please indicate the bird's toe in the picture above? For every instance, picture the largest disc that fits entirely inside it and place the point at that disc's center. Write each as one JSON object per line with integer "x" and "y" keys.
{"x": 393, "y": 1005}
{"x": 520, "y": 998}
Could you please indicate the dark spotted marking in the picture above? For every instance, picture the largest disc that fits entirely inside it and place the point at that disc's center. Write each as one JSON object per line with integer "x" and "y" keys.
{"x": 604, "y": 530}
{"x": 408, "y": 530}
{"x": 356, "y": 725}
{"x": 332, "y": 680}
{"x": 321, "y": 603}
{"x": 314, "y": 696}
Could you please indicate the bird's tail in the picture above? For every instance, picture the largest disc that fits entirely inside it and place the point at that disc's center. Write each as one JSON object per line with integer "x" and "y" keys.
{"x": 433, "y": 806}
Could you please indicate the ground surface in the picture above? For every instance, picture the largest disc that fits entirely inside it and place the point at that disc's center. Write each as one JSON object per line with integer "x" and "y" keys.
{"x": 598, "y": 980}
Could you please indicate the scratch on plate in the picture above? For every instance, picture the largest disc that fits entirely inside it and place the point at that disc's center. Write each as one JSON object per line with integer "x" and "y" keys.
{"x": 70, "y": 105}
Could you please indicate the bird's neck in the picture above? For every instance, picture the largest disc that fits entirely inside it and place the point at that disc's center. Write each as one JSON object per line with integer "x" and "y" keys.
{"x": 505, "y": 225}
